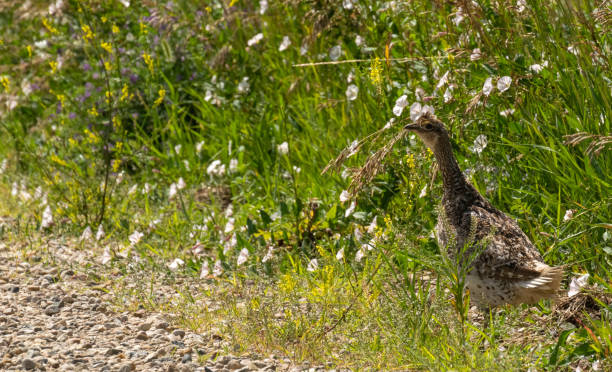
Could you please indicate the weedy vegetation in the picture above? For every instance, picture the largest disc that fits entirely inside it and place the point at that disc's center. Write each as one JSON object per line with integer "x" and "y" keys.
{"x": 184, "y": 140}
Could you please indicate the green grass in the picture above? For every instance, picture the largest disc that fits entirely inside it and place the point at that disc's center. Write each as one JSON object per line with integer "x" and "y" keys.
{"x": 173, "y": 71}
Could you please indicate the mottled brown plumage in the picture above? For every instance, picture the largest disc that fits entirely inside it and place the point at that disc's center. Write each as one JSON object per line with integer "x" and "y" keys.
{"x": 508, "y": 268}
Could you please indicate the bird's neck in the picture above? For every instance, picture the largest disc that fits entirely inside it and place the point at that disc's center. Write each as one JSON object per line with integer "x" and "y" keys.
{"x": 453, "y": 180}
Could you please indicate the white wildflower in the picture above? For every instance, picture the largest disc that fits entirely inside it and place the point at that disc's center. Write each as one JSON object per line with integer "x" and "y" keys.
{"x": 304, "y": 49}
{"x": 176, "y": 264}
{"x": 119, "y": 178}
{"x": 443, "y": 80}
{"x": 263, "y": 6}
{"x": 480, "y": 143}
{"x": 373, "y": 225}
{"x": 255, "y": 39}
{"x": 297, "y": 170}
{"x": 389, "y": 123}
{"x": 313, "y": 265}
{"x": 135, "y": 237}
{"x": 233, "y": 165}
{"x": 340, "y": 254}
{"x": 126, "y": 3}
{"x": 133, "y": 189}
{"x": 351, "y": 92}
{"x": 229, "y": 226}
{"x": 218, "y": 268}
{"x": 284, "y": 44}
{"x": 400, "y": 104}
{"x": 335, "y": 52}
{"x": 521, "y": 5}
{"x": 353, "y": 148}
{"x": 42, "y": 44}
{"x": 47, "y": 218}
{"x": 360, "y": 254}
{"x": 86, "y": 235}
{"x": 344, "y": 196}
{"x": 268, "y": 255}
{"x": 507, "y": 112}
{"x": 359, "y": 41}
{"x": 357, "y": 234}
{"x": 180, "y": 184}
{"x": 448, "y": 95}
{"x": 347, "y": 4}
{"x": 577, "y": 284}
{"x": 100, "y": 234}
{"x": 283, "y": 148}
{"x": 106, "y": 256}
{"x": 537, "y": 68}
{"x": 172, "y": 191}
{"x": 350, "y": 209}
{"x": 423, "y": 192}
{"x": 243, "y": 256}
{"x": 199, "y": 146}
{"x": 572, "y": 49}
{"x": 458, "y": 16}
{"x": 244, "y": 86}
{"x": 487, "y": 87}
{"x": 215, "y": 168}
{"x": 198, "y": 247}
{"x": 178, "y": 148}
{"x": 504, "y": 83}
{"x": 569, "y": 214}
{"x": 205, "y": 271}
{"x": 476, "y": 55}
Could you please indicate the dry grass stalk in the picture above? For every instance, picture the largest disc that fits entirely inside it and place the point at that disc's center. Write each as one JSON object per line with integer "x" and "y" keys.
{"x": 374, "y": 164}
{"x": 598, "y": 143}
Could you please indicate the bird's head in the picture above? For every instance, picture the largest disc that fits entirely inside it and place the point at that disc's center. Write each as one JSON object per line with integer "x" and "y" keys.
{"x": 430, "y": 130}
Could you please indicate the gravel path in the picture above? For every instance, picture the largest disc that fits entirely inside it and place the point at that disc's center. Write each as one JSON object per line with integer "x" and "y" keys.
{"x": 55, "y": 320}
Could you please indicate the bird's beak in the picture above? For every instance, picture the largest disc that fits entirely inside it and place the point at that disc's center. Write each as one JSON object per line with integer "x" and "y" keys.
{"x": 412, "y": 126}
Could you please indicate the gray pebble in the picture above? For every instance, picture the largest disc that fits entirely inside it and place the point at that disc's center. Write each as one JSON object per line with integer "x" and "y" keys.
{"x": 112, "y": 351}
{"x": 28, "y": 364}
{"x": 144, "y": 326}
{"x": 127, "y": 367}
{"x": 142, "y": 336}
{"x": 179, "y": 333}
{"x": 186, "y": 358}
{"x": 52, "y": 309}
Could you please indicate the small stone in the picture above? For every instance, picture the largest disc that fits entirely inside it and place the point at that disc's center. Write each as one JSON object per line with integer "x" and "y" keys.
{"x": 127, "y": 367}
{"x": 179, "y": 333}
{"x": 52, "y": 309}
{"x": 144, "y": 326}
{"x": 172, "y": 368}
{"x": 112, "y": 351}
{"x": 34, "y": 288}
{"x": 142, "y": 336}
{"x": 14, "y": 289}
{"x": 234, "y": 364}
{"x": 186, "y": 358}
{"x": 162, "y": 325}
{"x": 28, "y": 364}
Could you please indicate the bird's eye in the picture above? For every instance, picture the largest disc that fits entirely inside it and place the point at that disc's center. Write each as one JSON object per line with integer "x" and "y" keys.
{"x": 429, "y": 127}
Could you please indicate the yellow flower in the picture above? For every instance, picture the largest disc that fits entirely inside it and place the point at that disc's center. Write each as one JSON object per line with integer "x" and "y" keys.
{"x": 5, "y": 83}
{"x": 376, "y": 74}
{"x": 88, "y": 34}
{"x": 53, "y": 66}
{"x": 107, "y": 65}
{"x": 61, "y": 98}
{"x": 106, "y": 46}
{"x": 232, "y": 3}
{"x": 159, "y": 100}
{"x": 116, "y": 165}
{"x": 115, "y": 29}
{"x": 29, "y": 48}
{"x": 93, "y": 111}
{"x": 143, "y": 29}
{"x": 56, "y": 159}
{"x": 108, "y": 96}
{"x": 410, "y": 161}
{"x": 124, "y": 93}
{"x": 116, "y": 123}
{"x": 103, "y": 19}
{"x": 119, "y": 146}
{"x": 148, "y": 61}
{"x": 49, "y": 27}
